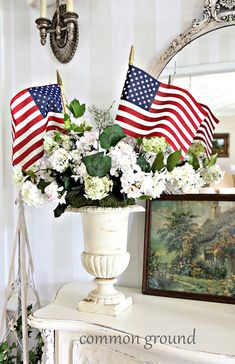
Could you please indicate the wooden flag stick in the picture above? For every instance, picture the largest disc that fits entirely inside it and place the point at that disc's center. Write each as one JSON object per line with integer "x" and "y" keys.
{"x": 131, "y": 56}
{"x": 170, "y": 80}
{"x": 60, "y": 83}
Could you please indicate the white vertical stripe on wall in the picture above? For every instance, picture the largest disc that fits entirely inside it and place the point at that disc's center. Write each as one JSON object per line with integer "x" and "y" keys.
{"x": 2, "y": 241}
{"x": 168, "y": 18}
{"x": 122, "y": 32}
{"x": 100, "y": 57}
{"x": 95, "y": 75}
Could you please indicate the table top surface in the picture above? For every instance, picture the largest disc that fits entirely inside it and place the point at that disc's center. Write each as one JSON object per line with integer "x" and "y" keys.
{"x": 214, "y": 323}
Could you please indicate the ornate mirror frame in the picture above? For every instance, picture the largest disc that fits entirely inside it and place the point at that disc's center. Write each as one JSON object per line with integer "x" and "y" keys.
{"x": 216, "y": 14}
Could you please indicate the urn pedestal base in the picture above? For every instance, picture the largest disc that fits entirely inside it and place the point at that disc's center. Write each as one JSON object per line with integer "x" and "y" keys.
{"x": 105, "y": 299}
{"x": 105, "y": 256}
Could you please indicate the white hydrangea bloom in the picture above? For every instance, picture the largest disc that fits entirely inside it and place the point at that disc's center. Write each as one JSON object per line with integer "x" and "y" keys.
{"x": 153, "y": 184}
{"x": 59, "y": 160}
{"x": 79, "y": 172}
{"x": 97, "y": 188}
{"x": 75, "y": 157}
{"x": 49, "y": 144}
{"x": 155, "y": 144}
{"x": 31, "y": 195}
{"x": 138, "y": 183}
{"x": 131, "y": 182}
{"x": 213, "y": 174}
{"x": 87, "y": 142}
{"x": 185, "y": 179}
{"x": 66, "y": 142}
{"x": 123, "y": 158}
{"x": 52, "y": 191}
{"x": 18, "y": 177}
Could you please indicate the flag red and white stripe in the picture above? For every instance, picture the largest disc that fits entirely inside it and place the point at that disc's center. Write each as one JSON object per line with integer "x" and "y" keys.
{"x": 205, "y": 133}
{"x": 150, "y": 108}
{"x": 31, "y": 119}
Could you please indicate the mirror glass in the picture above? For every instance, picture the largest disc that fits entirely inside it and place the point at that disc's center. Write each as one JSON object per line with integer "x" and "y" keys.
{"x": 206, "y": 68}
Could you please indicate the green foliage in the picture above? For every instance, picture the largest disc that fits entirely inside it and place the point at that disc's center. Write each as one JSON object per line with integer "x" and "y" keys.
{"x": 42, "y": 184}
{"x": 193, "y": 160}
{"x": 32, "y": 176}
{"x": 173, "y": 160}
{"x": 97, "y": 165}
{"x": 144, "y": 165}
{"x": 57, "y": 133}
{"x": 210, "y": 162}
{"x": 158, "y": 163}
{"x": 70, "y": 126}
{"x": 60, "y": 209}
{"x": 76, "y": 108}
{"x": 139, "y": 141}
{"x": 110, "y": 136}
{"x": 9, "y": 354}
{"x": 6, "y": 353}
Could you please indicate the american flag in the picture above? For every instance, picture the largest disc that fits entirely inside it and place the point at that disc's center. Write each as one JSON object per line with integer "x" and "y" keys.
{"x": 35, "y": 111}
{"x": 205, "y": 133}
{"x": 151, "y": 108}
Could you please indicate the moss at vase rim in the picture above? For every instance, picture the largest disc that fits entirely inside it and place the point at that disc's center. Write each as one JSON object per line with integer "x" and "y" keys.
{"x": 109, "y": 201}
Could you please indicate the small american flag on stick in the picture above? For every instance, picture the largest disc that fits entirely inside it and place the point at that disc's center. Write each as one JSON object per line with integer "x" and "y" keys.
{"x": 205, "y": 133}
{"x": 35, "y": 111}
{"x": 151, "y": 108}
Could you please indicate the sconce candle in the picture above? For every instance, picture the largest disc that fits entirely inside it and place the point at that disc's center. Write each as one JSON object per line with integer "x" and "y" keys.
{"x": 43, "y": 8}
{"x": 70, "y": 5}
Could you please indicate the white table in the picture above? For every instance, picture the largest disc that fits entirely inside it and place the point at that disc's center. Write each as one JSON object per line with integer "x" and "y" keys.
{"x": 66, "y": 331}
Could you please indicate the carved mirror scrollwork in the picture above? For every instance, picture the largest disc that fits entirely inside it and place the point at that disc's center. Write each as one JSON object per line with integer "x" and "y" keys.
{"x": 216, "y": 14}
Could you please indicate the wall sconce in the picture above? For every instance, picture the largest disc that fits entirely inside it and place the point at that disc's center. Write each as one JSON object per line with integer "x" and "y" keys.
{"x": 63, "y": 29}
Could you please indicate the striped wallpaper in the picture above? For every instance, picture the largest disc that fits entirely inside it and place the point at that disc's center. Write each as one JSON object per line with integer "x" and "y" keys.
{"x": 95, "y": 75}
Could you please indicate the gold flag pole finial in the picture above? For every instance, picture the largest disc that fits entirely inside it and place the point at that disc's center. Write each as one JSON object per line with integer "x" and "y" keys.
{"x": 131, "y": 56}
{"x": 59, "y": 80}
{"x": 60, "y": 83}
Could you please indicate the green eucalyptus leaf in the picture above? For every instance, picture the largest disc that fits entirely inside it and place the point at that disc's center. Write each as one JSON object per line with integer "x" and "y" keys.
{"x": 76, "y": 108}
{"x": 194, "y": 161}
{"x": 42, "y": 184}
{"x": 67, "y": 183}
{"x": 205, "y": 162}
{"x": 60, "y": 209}
{"x": 158, "y": 163}
{"x": 144, "y": 165}
{"x": 110, "y": 136}
{"x": 173, "y": 160}
{"x": 97, "y": 165}
{"x": 213, "y": 160}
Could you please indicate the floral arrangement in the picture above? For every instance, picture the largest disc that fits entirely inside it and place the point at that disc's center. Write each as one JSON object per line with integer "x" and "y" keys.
{"x": 101, "y": 166}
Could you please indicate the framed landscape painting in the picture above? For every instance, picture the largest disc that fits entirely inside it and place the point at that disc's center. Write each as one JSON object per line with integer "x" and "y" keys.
{"x": 190, "y": 247}
{"x": 220, "y": 144}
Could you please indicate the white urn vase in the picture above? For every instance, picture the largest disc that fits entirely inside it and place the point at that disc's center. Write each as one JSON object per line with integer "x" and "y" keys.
{"x": 105, "y": 256}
